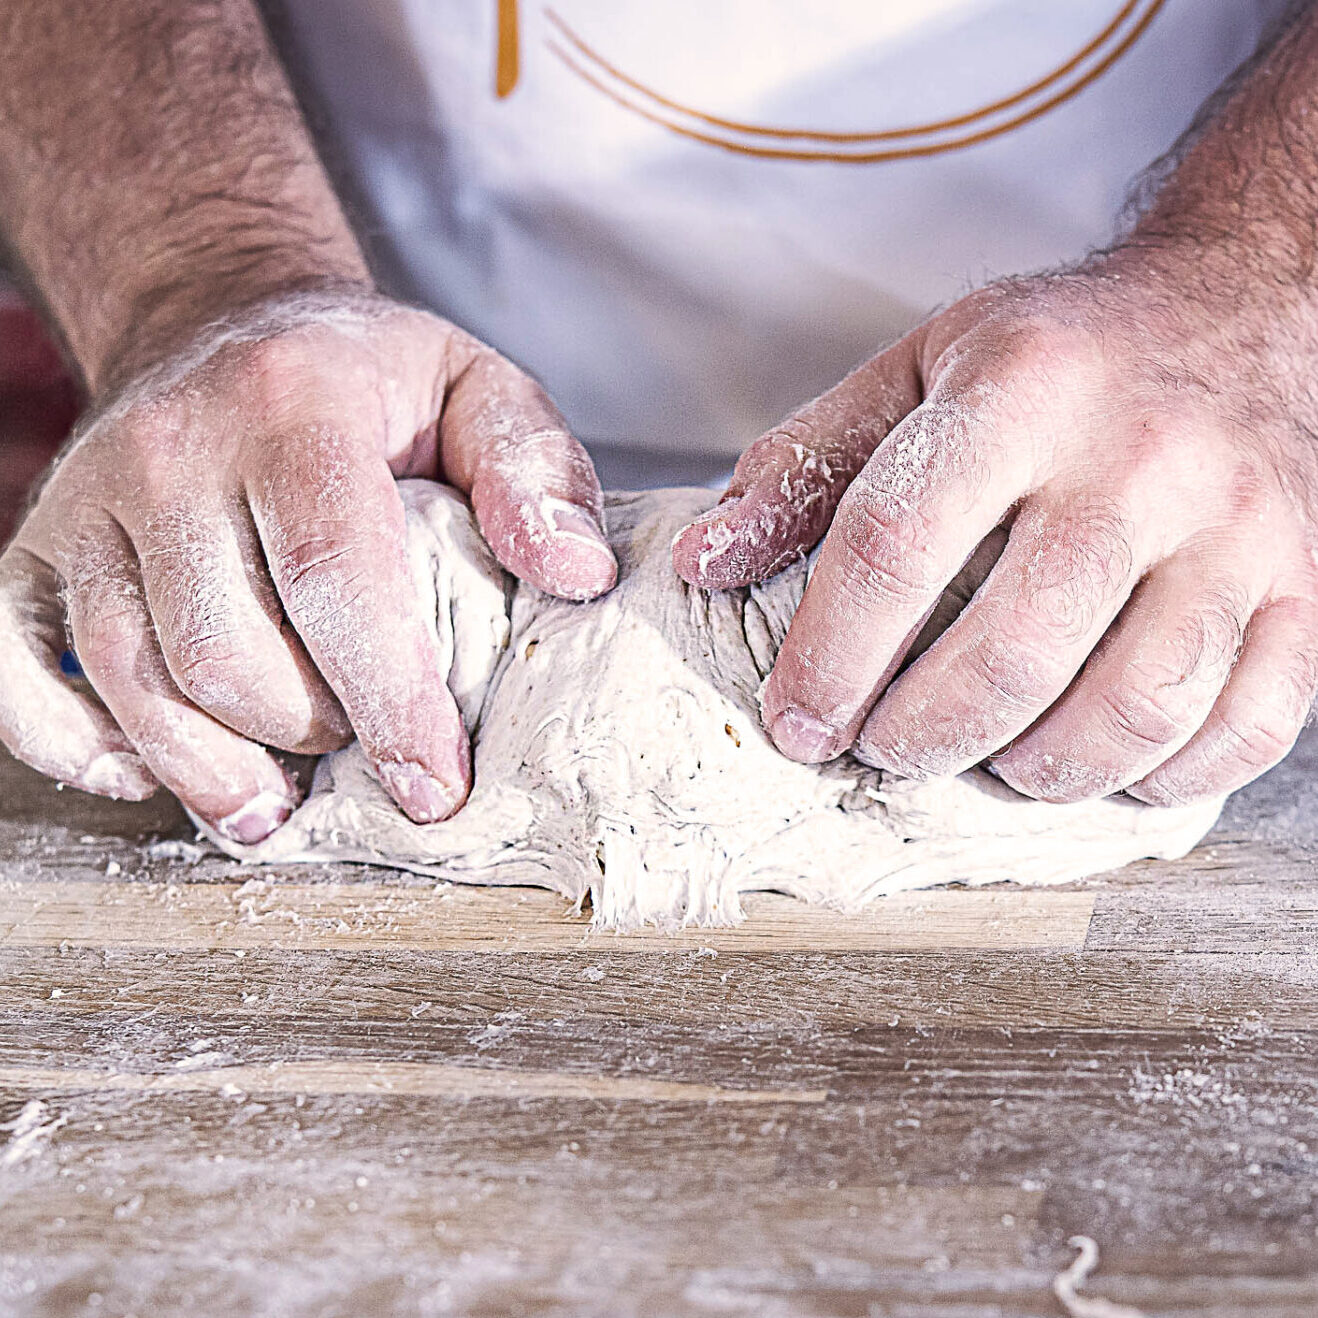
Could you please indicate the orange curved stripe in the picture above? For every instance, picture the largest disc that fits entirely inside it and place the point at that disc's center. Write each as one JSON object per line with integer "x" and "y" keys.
{"x": 886, "y": 135}
{"x": 870, "y": 157}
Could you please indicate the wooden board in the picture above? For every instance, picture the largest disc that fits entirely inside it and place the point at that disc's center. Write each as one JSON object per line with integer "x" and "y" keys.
{"x": 339, "y": 1091}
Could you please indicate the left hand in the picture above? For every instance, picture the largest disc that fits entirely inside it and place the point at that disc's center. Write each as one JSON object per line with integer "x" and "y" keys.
{"x": 1152, "y": 623}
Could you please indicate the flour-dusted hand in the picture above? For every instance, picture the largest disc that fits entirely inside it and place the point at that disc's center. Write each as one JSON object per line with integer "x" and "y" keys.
{"x": 1144, "y": 426}
{"x": 1153, "y": 618}
{"x": 226, "y": 541}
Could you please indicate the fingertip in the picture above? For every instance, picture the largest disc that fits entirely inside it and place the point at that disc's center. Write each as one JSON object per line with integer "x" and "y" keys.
{"x": 745, "y": 539}
{"x": 257, "y": 818}
{"x": 273, "y": 797}
{"x": 1167, "y": 792}
{"x": 422, "y": 797}
{"x": 701, "y": 546}
{"x": 556, "y": 545}
{"x": 877, "y": 754}
{"x": 579, "y": 562}
{"x": 801, "y": 736}
{"x": 1051, "y": 778}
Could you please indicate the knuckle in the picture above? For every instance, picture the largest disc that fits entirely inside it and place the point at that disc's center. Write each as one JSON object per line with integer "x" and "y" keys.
{"x": 214, "y": 669}
{"x": 1251, "y": 491}
{"x": 109, "y": 640}
{"x": 886, "y": 558}
{"x": 1208, "y": 644}
{"x": 328, "y": 553}
{"x": 145, "y": 456}
{"x": 798, "y": 434}
{"x": 1159, "y": 700}
{"x": 286, "y": 381}
{"x": 953, "y": 443}
{"x": 273, "y": 372}
{"x": 1077, "y": 566}
{"x": 1141, "y": 711}
{"x": 526, "y": 463}
{"x": 1014, "y": 672}
{"x": 1024, "y": 342}
{"x": 1035, "y": 347}
{"x": 327, "y": 569}
{"x": 1258, "y": 734}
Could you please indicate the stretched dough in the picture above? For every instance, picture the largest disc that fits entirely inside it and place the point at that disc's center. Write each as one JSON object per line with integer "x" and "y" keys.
{"x": 618, "y": 752}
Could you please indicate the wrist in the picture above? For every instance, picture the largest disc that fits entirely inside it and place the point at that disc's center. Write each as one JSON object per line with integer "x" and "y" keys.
{"x": 177, "y": 295}
{"x": 1222, "y": 318}
{"x": 338, "y": 308}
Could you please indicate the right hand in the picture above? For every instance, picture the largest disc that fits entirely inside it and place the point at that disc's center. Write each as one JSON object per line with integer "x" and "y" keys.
{"x": 225, "y": 546}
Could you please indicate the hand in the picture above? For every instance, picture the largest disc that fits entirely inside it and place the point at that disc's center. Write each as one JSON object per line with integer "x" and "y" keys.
{"x": 1152, "y": 623}
{"x": 225, "y": 543}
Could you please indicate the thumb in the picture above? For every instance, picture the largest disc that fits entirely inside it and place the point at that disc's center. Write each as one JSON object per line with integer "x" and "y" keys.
{"x": 786, "y": 486}
{"x": 532, "y": 486}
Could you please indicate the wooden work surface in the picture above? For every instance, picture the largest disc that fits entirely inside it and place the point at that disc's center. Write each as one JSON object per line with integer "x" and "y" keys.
{"x": 320, "y": 1091}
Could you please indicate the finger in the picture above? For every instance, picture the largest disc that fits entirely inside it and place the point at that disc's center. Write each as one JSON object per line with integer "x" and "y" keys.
{"x": 787, "y": 485}
{"x": 45, "y": 721}
{"x": 1143, "y": 694}
{"x": 336, "y": 548}
{"x": 1064, "y": 575}
{"x": 223, "y": 631}
{"x": 231, "y": 783}
{"x": 930, "y": 494}
{"x": 532, "y": 486}
{"x": 1258, "y": 716}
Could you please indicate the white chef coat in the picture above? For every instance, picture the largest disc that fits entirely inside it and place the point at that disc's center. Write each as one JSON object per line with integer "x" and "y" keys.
{"x": 688, "y": 216}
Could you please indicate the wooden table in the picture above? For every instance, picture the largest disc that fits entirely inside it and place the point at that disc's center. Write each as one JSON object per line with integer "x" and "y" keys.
{"x": 348, "y": 1092}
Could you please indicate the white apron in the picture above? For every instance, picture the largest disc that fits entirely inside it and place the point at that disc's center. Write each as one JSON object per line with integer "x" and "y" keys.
{"x": 688, "y": 216}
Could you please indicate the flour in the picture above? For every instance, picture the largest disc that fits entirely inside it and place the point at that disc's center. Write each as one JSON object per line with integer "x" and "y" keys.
{"x": 619, "y": 754}
{"x": 1080, "y": 1306}
{"x": 28, "y": 1132}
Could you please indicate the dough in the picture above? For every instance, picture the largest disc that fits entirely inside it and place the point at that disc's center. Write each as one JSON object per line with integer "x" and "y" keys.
{"x": 618, "y": 753}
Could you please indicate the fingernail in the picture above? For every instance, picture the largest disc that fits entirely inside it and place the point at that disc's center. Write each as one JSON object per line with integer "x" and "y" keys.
{"x": 118, "y": 774}
{"x": 568, "y": 519}
{"x": 581, "y": 565}
{"x": 801, "y": 736}
{"x": 716, "y": 541}
{"x": 423, "y": 798}
{"x": 255, "y": 821}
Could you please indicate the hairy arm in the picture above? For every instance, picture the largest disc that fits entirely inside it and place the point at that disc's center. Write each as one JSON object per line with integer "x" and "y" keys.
{"x": 1144, "y": 424}
{"x": 155, "y": 172}
{"x": 1235, "y": 206}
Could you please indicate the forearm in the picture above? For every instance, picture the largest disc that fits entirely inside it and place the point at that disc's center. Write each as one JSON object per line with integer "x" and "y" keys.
{"x": 1241, "y": 204}
{"x": 155, "y": 172}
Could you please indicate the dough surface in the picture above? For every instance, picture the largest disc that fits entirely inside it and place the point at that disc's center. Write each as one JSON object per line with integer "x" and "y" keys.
{"x": 618, "y": 754}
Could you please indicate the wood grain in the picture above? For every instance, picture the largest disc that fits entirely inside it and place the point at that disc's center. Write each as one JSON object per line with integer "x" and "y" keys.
{"x": 337, "y": 1091}
{"x": 283, "y": 913}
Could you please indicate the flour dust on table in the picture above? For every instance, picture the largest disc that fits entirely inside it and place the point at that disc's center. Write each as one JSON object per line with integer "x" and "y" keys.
{"x": 618, "y": 754}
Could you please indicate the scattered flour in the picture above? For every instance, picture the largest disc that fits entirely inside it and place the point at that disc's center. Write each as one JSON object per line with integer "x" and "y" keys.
{"x": 1079, "y": 1306}
{"x": 28, "y": 1132}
